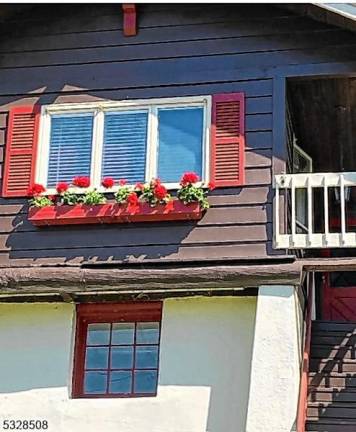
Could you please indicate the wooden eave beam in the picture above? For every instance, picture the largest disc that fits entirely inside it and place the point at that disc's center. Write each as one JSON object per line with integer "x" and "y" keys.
{"x": 328, "y": 264}
{"x": 210, "y": 280}
{"x": 130, "y": 19}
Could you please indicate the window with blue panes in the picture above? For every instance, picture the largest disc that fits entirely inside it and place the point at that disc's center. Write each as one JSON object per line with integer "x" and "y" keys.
{"x": 137, "y": 143}
{"x": 117, "y": 353}
{"x": 70, "y": 148}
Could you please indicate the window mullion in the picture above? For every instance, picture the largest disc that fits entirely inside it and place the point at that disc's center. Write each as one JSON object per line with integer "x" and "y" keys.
{"x": 206, "y": 141}
{"x": 152, "y": 144}
{"x": 43, "y": 151}
{"x": 97, "y": 149}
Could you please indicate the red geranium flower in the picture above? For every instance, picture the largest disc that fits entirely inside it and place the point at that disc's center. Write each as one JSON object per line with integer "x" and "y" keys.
{"x": 81, "y": 181}
{"x": 189, "y": 178}
{"x": 132, "y": 198}
{"x": 155, "y": 182}
{"x": 52, "y": 198}
{"x": 62, "y": 187}
{"x": 160, "y": 191}
{"x": 36, "y": 189}
{"x": 108, "y": 182}
{"x": 139, "y": 186}
{"x": 211, "y": 185}
{"x": 122, "y": 182}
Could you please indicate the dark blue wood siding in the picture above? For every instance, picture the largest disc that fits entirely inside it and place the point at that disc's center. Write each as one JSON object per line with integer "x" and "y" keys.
{"x": 74, "y": 53}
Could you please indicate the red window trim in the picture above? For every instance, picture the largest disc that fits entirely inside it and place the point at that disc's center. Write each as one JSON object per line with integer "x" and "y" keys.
{"x": 108, "y": 312}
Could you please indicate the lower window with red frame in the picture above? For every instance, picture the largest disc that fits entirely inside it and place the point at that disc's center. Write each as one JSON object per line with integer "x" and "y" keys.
{"x": 117, "y": 350}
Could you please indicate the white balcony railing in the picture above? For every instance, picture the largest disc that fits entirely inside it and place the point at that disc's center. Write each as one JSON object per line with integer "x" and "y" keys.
{"x": 302, "y": 223}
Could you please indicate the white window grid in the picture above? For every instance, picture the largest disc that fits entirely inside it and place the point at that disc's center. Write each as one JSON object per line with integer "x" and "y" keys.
{"x": 98, "y": 109}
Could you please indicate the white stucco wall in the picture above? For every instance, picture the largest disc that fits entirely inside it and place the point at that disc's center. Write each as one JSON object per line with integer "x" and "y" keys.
{"x": 276, "y": 361}
{"x": 205, "y": 358}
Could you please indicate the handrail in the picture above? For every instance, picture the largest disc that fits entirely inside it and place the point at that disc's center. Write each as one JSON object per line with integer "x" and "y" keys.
{"x": 302, "y": 234}
{"x": 303, "y": 389}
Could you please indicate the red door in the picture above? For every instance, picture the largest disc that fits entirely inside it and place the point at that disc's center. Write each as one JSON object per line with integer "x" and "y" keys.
{"x": 339, "y": 296}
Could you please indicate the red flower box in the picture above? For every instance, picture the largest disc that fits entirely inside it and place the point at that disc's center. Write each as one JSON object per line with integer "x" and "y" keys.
{"x": 113, "y": 213}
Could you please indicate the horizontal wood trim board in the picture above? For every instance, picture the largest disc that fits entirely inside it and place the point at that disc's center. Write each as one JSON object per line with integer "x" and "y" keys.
{"x": 329, "y": 264}
{"x": 251, "y": 86}
{"x": 272, "y": 24}
{"x": 148, "y": 11}
{"x": 194, "y": 67}
{"x": 254, "y": 103}
{"x": 208, "y": 41}
{"x": 135, "y": 254}
{"x": 155, "y": 36}
{"x": 36, "y": 279}
{"x": 125, "y": 295}
{"x": 180, "y": 49}
{"x": 77, "y": 238}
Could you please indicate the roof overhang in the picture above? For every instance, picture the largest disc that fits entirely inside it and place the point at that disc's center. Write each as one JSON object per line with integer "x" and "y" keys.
{"x": 337, "y": 14}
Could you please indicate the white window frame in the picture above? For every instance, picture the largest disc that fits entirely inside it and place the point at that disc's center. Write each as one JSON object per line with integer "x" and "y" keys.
{"x": 98, "y": 109}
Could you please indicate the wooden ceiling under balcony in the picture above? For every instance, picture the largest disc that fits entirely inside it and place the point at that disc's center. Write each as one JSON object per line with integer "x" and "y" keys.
{"x": 324, "y": 117}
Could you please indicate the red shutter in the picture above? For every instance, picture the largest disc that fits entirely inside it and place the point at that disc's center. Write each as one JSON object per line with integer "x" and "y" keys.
{"x": 228, "y": 140}
{"x": 20, "y": 151}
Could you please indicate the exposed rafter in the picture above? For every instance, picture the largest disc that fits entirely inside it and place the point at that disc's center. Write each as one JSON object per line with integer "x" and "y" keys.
{"x": 130, "y": 19}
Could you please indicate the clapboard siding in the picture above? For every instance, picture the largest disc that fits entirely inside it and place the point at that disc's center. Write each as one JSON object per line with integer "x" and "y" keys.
{"x": 183, "y": 49}
{"x": 81, "y": 55}
{"x": 272, "y": 35}
{"x": 172, "y": 252}
{"x": 159, "y": 72}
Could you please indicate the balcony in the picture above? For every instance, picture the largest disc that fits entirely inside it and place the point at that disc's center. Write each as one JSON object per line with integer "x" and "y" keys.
{"x": 315, "y": 211}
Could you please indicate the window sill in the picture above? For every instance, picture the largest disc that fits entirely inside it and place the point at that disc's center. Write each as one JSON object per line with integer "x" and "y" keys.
{"x": 113, "y": 213}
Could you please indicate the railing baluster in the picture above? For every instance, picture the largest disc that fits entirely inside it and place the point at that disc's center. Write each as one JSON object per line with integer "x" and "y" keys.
{"x": 301, "y": 233}
{"x": 293, "y": 210}
{"x": 342, "y": 205}
{"x": 276, "y": 215}
{"x": 326, "y": 209}
{"x": 310, "y": 209}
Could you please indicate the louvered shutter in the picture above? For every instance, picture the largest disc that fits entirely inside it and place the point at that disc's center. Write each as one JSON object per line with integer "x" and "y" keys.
{"x": 228, "y": 140}
{"x": 21, "y": 149}
{"x": 124, "y": 147}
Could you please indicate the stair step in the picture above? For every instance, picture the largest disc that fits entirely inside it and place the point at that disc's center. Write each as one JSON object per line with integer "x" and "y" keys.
{"x": 333, "y": 379}
{"x": 330, "y": 365}
{"x": 331, "y": 396}
{"x": 333, "y": 326}
{"x": 339, "y": 352}
{"x": 341, "y": 338}
{"x": 326, "y": 425}
{"x": 336, "y": 410}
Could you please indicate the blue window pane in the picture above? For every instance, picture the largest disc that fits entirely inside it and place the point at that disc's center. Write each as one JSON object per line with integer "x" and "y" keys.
{"x": 145, "y": 382}
{"x": 123, "y": 333}
{"x": 120, "y": 382}
{"x": 180, "y": 135}
{"x": 70, "y": 147}
{"x": 121, "y": 358}
{"x": 124, "y": 150}
{"x": 147, "y": 333}
{"x": 146, "y": 357}
{"x": 96, "y": 358}
{"x": 98, "y": 334}
{"x": 95, "y": 382}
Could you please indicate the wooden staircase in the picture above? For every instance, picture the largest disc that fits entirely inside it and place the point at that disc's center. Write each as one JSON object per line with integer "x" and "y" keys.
{"x": 332, "y": 378}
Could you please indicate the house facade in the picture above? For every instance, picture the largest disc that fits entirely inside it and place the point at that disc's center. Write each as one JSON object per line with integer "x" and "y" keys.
{"x": 177, "y": 305}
